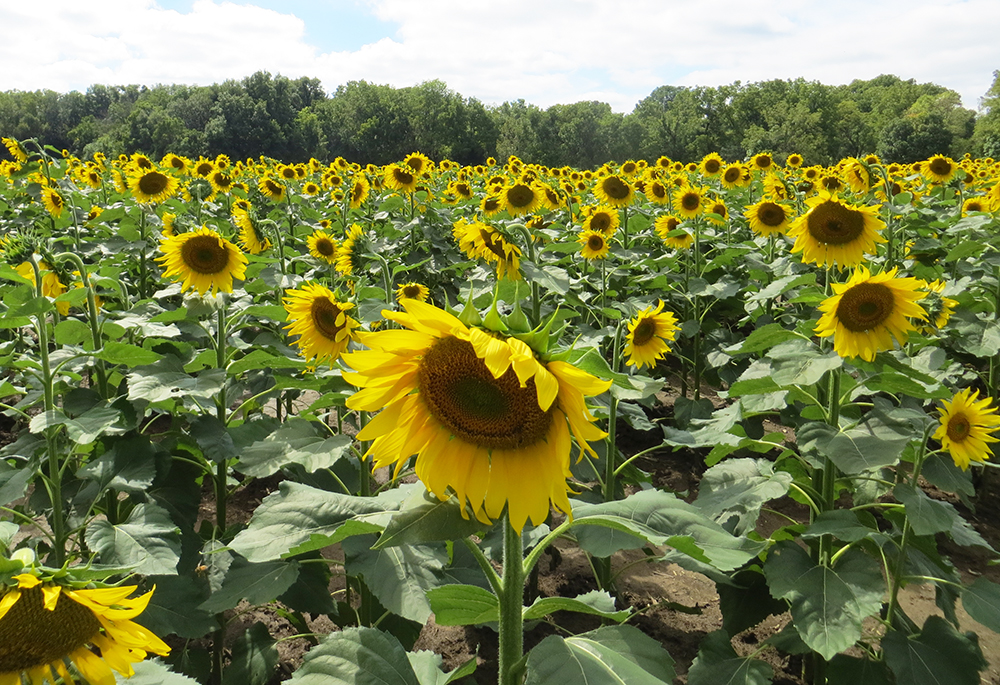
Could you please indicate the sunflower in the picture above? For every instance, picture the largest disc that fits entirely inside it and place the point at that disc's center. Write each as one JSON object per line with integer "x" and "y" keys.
{"x": 668, "y": 228}
{"x": 718, "y": 208}
{"x": 761, "y": 162}
{"x": 614, "y": 190}
{"x": 656, "y": 192}
{"x": 43, "y": 625}
{"x": 550, "y": 197}
{"x": 967, "y": 425}
{"x": 833, "y": 232}
{"x": 481, "y": 241}
{"x": 168, "y": 224}
{"x": 486, "y": 419}
{"x": 252, "y": 238}
{"x": 768, "y": 218}
{"x": 90, "y": 175}
{"x": 52, "y": 285}
{"x": 345, "y": 251}
{"x": 418, "y": 163}
{"x": 868, "y": 311}
{"x": 175, "y": 163}
{"x": 648, "y": 335}
{"x": 595, "y": 244}
{"x": 688, "y": 203}
{"x": 204, "y": 260}
{"x": 939, "y": 308}
{"x": 152, "y": 186}
{"x": 320, "y": 320}
{"x": 401, "y": 178}
{"x": 711, "y": 164}
{"x": 53, "y": 201}
{"x": 794, "y": 160}
{"x": 857, "y": 176}
{"x": 939, "y": 169}
{"x": 272, "y": 188}
{"x": 16, "y": 150}
{"x": 602, "y": 219}
{"x": 520, "y": 198}
{"x": 734, "y": 176}
{"x": 412, "y": 291}
{"x": 975, "y": 204}
{"x": 359, "y": 190}
{"x": 323, "y": 247}
{"x": 221, "y": 181}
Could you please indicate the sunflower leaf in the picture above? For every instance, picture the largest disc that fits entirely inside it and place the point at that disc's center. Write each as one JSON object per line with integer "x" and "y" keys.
{"x": 148, "y": 541}
{"x": 613, "y": 655}
{"x": 356, "y": 656}
{"x": 717, "y": 662}
{"x": 939, "y": 654}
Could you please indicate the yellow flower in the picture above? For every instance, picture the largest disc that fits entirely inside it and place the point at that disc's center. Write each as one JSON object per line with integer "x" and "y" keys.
{"x": 602, "y": 219}
{"x": 939, "y": 169}
{"x": 204, "y": 260}
{"x": 412, "y": 291}
{"x": 734, "y": 176}
{"x": 52, "y": 286}
{"x": 614, "y": 190}
{"x": 272, "y": 188}
{"x": 867, "y": 312}
{"x": 711, "y": 164}
{"x": 359, "y": 190}
{"x": 481, "y": 241}
{"x": 252, "y": 238}
{"x": 400, "y": 177}
{"x": 595, "y": 244}
{"x": 668, "y": 228}
{"x": 939, "y": 308}
{"x": 345, "y": 252}
{"x": 833, "y": 232}
{"x": 768, "y": 218}
{"x": 486, "y": 419}
{"x": 418, "y": 162}
{"x": 320, "y": 320}
{"x": 323, "y": 247}
{"x": 689, "y": 202}
{"x": 152, "y": 186}
{"x": 53, "y": 201}
{"x": 520, "y": 198}
{"x": 795, "y": 160}
{"x": 44, "y": 625}
{"x": 761, "y": 162}
{"x": 16, "y": 150}
{"x": 967, "y": 425}
{"x": 648, "y": 334}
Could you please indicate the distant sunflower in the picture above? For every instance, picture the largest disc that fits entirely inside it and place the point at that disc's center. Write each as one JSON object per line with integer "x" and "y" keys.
{"x": 52, "y": 285}
{"x": 595, "y": 245}
{"x": 175, "y": 163}
{"x": 418, "y": 162}
{"x": 975, "y": 204}
{"x": 481, "y": 241}
{"x": 939, "y": 308}
{"x": 347, "y": 260}
{"x": 400, "y": 177}
{"x": 252, "y": 237}
{"x": 321, "y": 322}
{"x": 359, "y": 190}
{"x": 768, "y": 218}
{"x": 794, "y": 160}
{"x": 711, "y": 165}
{"x": 204, "y": 260}
{"x": 152, "y": 186}
{"x": 867, "y": 312}
{"x": 311, "y": 189}
{"x": 733, "y": 176}
{"x": 648, "y": 335}
{"x": 668, "y": 229}
{"x": 520, "y": 198}
{"x": 550, "y": 197}
{"x": 688, "y": 202}
{"x": 833, "y": 232}
{"x": 761, "y": 161}
{"x": 53, "y": 201}
{"x": 412, "y": 291}
{"x": 43, "y": 625}
{"x": 614, "y": 190}
{"x": 323, "y": 247}
{"x": 718, "y": 208}
{"x": 602, "y": 219}
{"x": 939, "y": 169}
{"x": 16, "y": 150}
{"x": 491, "y": 205}
{"x": 656, "y": 192}
{"x": 272, "y": 188}
{"x": 967, "y": 426}
{"x": 486, "y": 418}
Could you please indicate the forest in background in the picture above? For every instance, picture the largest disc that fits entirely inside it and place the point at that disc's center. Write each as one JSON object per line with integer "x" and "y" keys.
{"x": 296, "y": 119}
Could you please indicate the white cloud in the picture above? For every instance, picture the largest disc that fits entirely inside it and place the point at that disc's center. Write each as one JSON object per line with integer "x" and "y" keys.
{"x": 556, "y": 51}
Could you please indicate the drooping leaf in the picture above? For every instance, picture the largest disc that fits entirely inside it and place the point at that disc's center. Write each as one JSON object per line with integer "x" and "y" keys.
{"x": 718, "y": 664}
{"x": 982, "y": 601}
{"x": 425, "y": 518}
{"x": 595, "y": 603}
{"x": 174, "y": 608}
{"x": 254, "y": 658}
{"x": 295, "y": 442}
{"x": 938, "y": 654}
{"x": 738, "y": 488}
{"x": 356, "y": 656}
{"x": 256, "y": 583}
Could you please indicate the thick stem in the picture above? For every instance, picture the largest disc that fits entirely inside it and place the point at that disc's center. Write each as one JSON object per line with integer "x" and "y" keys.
{"x": 511, "y": 608}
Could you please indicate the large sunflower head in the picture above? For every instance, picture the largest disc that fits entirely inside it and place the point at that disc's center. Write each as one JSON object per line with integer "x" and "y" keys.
{"x": 521, "y": 198}
{"x": 967, "y": 426}
{"x": 152, "y": 186}
{"x": 601, "y": 219}
{"x": 359, "y": 190}
{"x": 487, "y": 419}
{"x": 204, "y": 260}
{"x": 16, "y": 150}
{"x": 689, "y": 202}
{"x": 656, "y": 192}
{"x": 53, "y": 201}
{"x": 762, "y": 161}
{"x": 614, "y": 190}
{"x": 939, "y": 169}
{"x": 418, "y": 162}
{"x": 252, "y": 236}
{"x": 711, "y": 164}
{"x": 734, "y": 176}
{"x": 668, "y": 228}
{"x": 482, "y": 241}
{"x": 768, "y": 218}
{"x": 272, "y": 188}
{"x": 867, "y": 312}
{"x": 833, "y": 232}
{"x": 648, "y": 335}
{"x": 400, "y": 177}
{"x": 44, "y": 624}
{"x": 320, "y": 320}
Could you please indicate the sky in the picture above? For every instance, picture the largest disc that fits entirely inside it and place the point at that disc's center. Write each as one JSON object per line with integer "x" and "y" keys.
{"x": 545, "y": 52}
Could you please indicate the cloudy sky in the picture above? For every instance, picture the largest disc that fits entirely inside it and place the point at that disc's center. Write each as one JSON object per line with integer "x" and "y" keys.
{"x": 544, "y": 51}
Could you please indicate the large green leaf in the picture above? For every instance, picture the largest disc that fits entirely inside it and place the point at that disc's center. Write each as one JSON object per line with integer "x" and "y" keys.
{"x": 718, "y": 664}
{"x": 175, "y": 607}
{"x": 848, "y": 670}
{"x": 939, "y": 655}
{"x": 746, "y": 602}
{"x": 614, "y": 655}
{"x": 463, "y": 605}
{"x": 738, "y": 488}
{"x": 870, "y": 445}
{"x": 926, "y": 516}
{"x": 982, "y": 601}
{"x": 828, "y": 604}
{"x": 256, "y": 583}
{"x": 167, "y": 380}
{"x": 148, "y": 541}
{"x": 425, "y": 518}
{"x": 129, "y": 466}
{"x": 83, "y": 429}
{"x": 302, "y": 518}
{"x": 126, "y": 354}
{"x": 296, "y": 442}
{"x": 659, "y": 518}
{"x": 427, "y": 667}
{"x": 356, "y": 656}
{"x": 595, "y": 603}
{"x": 254, "y": 658}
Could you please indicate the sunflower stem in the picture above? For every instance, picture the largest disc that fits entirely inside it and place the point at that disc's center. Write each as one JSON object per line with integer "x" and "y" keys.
{"x": 625, "y": 242}
{"x": 221, "y": 473}
{"x": 143, "y": 275}
{"x": 602, "y": 565}
{"x": 511, "y": 600}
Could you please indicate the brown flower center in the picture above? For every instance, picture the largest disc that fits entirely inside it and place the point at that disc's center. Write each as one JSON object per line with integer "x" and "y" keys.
{"x": 644, "y": 332}
{"x": 865, "y": 306}
{"x": 31, "y": 635}
{"x": 324, "y": 316}
{"x": 771, "y": 214}
{"x": 205, "y": 254}
{"x": 958, "y": 427}
{"x": 520, "y": 195}
{"x": 462, "y": 394}
{"x": 615, "y": 188}
{"x": 832, "y": 223}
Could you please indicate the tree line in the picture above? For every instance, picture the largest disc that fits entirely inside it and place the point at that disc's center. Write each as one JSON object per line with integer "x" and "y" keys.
{"x": 296, "y": 119}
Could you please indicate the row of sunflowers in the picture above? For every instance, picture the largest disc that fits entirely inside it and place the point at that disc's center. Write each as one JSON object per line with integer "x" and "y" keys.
{"x": 429, "y": 365}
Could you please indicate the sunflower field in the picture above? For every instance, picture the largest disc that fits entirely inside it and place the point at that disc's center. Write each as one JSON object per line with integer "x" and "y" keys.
{"x": 267, "y": 421}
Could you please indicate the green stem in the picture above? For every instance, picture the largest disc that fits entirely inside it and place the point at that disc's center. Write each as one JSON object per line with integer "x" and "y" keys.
{"x": 143, "y": 273}
{"x": 95, "y": 324}
{"x": 511, "y": 598}
{"x": 221, "y": 474}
